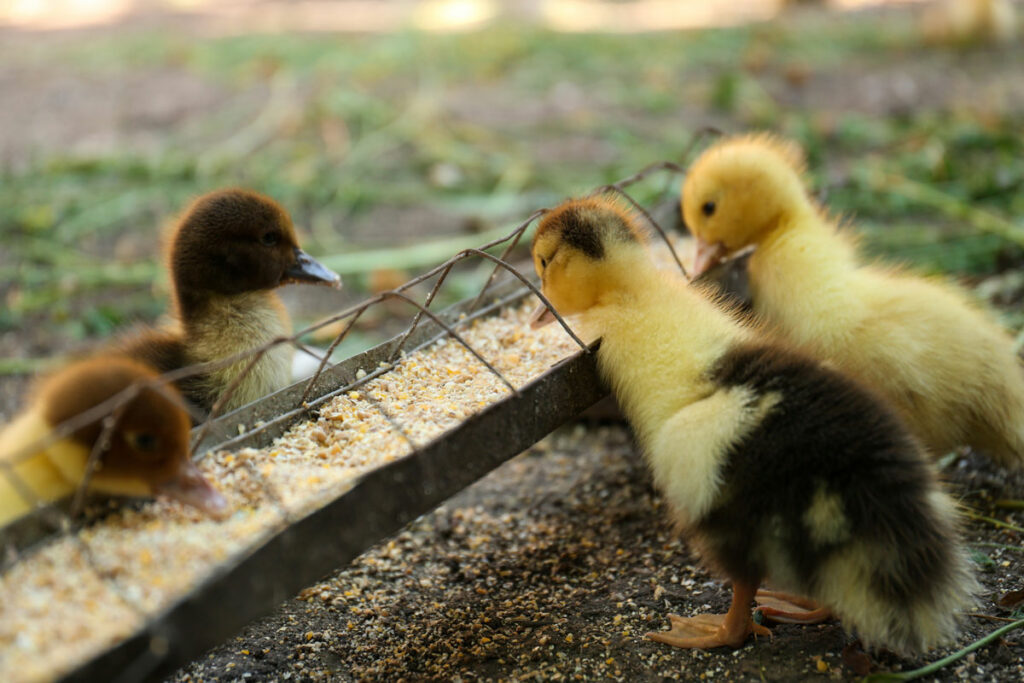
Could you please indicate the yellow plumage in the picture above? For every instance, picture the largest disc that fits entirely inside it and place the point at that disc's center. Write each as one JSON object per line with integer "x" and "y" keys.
{"x": 147, "y": 452}
{"x": 779, "y": 469}
{"x": 937, "y": 356}
{"x": 51, "y": 472}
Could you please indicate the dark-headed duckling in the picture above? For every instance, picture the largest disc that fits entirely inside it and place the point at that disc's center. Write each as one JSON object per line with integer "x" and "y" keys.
{"x": 148, "y": 452}
{"x": 227, "y": 254}
{"x": 939, "y": 358}
{"x": 780, "y": 469}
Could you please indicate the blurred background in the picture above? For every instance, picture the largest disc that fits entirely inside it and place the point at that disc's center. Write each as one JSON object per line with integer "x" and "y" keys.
{"x": 399, "y": 132}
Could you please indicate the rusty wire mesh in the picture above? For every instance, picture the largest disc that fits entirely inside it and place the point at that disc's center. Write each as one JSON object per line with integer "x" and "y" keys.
{"x": 61, "y": 519}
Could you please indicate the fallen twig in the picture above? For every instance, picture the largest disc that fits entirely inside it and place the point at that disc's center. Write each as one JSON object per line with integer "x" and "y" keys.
{"x": 971, "y": 514}
{"x": 935, "y": 666}
{"x": 1002, "y": 546}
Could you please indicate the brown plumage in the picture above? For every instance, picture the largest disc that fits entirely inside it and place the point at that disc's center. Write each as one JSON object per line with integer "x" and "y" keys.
{"x": 227, "y": 254}
{"x": 148, "y": 452}
{"x": 780, "y": 469}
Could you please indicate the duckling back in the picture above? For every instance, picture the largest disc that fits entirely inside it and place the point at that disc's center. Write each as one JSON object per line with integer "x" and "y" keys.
{"x": 942, "y": 361}
{"x": 840, "y": 503}
{"x": 26, "y": 477}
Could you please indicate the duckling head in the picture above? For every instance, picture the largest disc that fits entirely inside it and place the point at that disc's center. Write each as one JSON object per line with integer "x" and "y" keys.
{"x": 739, "y": 192}
{"x": 236, "y": 241}
{"x": 148, "y": 450}
{"x": 582, "y": 250}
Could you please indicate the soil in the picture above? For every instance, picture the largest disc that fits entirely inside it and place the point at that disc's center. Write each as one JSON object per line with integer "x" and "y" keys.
{"x": 553, "y": 568}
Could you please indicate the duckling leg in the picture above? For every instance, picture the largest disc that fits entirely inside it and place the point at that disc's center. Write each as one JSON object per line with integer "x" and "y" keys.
{"x": 790, "y": 609}
{"x": 714, "y": 630}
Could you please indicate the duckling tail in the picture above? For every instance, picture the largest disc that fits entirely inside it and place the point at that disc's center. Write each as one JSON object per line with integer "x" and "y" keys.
{"x": 905, "y": 592}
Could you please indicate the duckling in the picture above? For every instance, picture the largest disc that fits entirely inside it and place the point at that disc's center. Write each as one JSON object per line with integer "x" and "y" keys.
{"x": 148, "y": 452}
{"x": 778, "y": 468}
{"x": 227, "y": 254}
{"x": 942, "y": 361}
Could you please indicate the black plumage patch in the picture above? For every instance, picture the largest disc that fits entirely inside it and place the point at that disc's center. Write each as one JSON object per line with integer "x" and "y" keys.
{"x": 587, "y": 225}
{"x": 828, "y": 466}
{"x": 579, "y": 231}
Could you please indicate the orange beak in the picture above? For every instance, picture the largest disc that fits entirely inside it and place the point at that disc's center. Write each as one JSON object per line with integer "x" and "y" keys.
{"x": 541, "y": 317}
{"x": 705, "y": 256}
{"x": 190, "y": 487}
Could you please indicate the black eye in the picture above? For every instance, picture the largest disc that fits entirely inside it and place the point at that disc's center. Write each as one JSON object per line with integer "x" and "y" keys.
{"x": 144, "y": 442}
{"x": 708, "y": 208}
{"x": 270, "y": 239}
{"x": 543, "y": 262}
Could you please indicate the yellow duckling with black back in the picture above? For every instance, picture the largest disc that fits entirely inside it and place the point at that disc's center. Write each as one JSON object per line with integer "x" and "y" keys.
{"x": 939, "y": 358}
{"x": 779, "y": 469}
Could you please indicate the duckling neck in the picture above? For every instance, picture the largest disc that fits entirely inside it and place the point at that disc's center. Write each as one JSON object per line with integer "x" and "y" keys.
{"x": 804, "y": 272}
{"x": 223, "y": 326}
{"x": 660, "y": 337}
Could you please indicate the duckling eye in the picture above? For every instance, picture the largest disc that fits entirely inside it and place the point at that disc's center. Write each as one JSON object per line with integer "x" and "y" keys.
{"x": 543, "y": 262}
{"x": 707, "y": 208}
{"x": 144, "y": 442}
{"x": 270, "y": 239}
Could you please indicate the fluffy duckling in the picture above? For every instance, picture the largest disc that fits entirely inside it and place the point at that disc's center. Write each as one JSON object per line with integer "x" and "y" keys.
{"x": 946, "y": 364}
{"x": 227, "y": 254}
{"x": 779, "y": 468}
{"x": 148, "y": 452}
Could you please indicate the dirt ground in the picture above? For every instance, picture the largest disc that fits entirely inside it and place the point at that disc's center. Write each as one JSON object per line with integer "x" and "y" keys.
{"x": 553, "y": 568}
{"x": 555, "y": 565}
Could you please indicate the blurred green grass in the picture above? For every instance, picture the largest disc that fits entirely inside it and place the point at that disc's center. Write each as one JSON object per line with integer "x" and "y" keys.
{"x": 487, "y": 125}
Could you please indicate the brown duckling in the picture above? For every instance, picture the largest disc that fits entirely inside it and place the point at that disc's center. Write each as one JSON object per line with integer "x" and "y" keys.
{"x": 227, "y": 254}
{"x": 779, "y": 468}
{"x": 148, "y": 453}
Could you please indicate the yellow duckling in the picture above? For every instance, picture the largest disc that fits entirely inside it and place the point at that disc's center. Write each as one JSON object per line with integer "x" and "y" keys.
{"x": 940, "y": 359}
{"x": 778, "y": 468}
{"x": 148, "y": 453}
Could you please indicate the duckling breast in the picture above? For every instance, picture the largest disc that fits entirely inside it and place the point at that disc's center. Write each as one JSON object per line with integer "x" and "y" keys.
{"x": 234, "y": 325}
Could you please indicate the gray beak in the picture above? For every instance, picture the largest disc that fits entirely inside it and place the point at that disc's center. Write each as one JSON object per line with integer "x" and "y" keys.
{"x": 190, "y": 487}
{"x": 541, "y": 316}
{"x": 308, "y": 269}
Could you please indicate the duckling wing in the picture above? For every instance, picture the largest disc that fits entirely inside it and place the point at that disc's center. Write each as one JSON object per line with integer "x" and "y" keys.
{"x": 163, "y": 351}
{"x": 830, "y": 497}
{"x": 166, "y": 351}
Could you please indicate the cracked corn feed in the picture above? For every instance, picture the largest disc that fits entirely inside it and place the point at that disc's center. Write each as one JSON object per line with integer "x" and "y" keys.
{"x": 82, "y": 593}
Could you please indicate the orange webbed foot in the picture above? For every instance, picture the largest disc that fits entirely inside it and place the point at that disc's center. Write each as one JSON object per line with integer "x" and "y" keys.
{"x": 790, "y": 609}
{"x": 706, "y": 631}
{"x": 715, "y": 630}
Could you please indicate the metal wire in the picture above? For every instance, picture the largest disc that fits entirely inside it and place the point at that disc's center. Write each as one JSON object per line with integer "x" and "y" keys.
{"x": 253, "y": 356}
{"x": 110, "y": 410}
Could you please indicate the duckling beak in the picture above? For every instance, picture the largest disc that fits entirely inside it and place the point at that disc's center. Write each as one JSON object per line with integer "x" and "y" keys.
{"x": 540, "y": 317}
{"x": 191, "y": 488}
{"x": 705, "y": 256}
{"x": 308, "y": 269}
